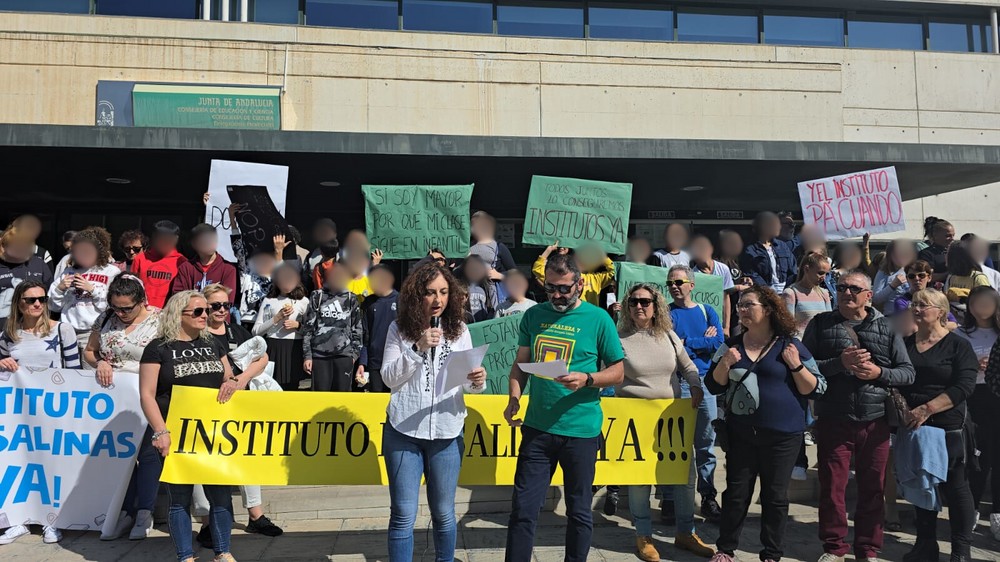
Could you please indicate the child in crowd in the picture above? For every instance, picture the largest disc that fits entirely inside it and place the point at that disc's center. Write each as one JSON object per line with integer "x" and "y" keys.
{"x": 675, "y": 239}
{"x": 206, "y": 266}
{"x": 482, "y": 293}
{"x": 158, "y": 265}
{"x": 279, "y": 323}
{"x": 332, "y": 333}
{"x": 516, "y": 284}
{"x": 81, "y": 294}
{"x": 379, "y": 310}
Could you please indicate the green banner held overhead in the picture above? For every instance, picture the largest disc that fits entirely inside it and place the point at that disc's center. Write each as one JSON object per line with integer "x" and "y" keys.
{"x": 405, "y": 221}
{"x": 707, "y": 288}
{"x": 576, "y": 211}
{"x": 501, "y": 335}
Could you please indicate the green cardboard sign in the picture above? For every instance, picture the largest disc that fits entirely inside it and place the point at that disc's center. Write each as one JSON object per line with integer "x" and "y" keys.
{"x": 405, "y": 221}
{"x": 575, "y": 211}
{"x": 707, "y": 288}
{"x": 501, "y": 335}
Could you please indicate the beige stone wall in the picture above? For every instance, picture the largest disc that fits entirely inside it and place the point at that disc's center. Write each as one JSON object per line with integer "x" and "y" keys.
{"x": 352, "y": 80}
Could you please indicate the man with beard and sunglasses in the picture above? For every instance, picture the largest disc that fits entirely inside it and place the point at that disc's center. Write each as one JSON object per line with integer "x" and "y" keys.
{"x": 564, "y": 417}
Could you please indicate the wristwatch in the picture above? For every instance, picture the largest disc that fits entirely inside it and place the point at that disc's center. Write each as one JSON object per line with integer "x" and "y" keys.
{"x": 590, "y": 380}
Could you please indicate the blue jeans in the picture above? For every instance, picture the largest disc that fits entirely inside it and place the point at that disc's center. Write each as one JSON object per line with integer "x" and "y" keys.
{"x": 438, "y": 461}
{"x": 704, "y": 442}
{"x": 145, "y": 481}
{"x": 537, "y": 458}
{"x": 220, "y": 517}
{"x": 638, "y": 504}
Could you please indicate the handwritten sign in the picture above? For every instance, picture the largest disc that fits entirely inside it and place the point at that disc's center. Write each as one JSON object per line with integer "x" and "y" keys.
{"x": 227, "y": 172}
{"x": 405, "y": 221}
{"x": 707, "y": 288}
{"x": 501, "y": 335}
{"x": 853, "y": 204}
{"x": 575, "y": 211}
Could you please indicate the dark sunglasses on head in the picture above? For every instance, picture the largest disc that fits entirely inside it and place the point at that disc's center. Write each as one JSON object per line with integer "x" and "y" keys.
{"x": 678, "y": 282}
{"x": 853, "y": 289}
{"x": 639, "y": 301}
{"x": 133, "y": 249}
{"x": 914, "y": 276}
{"x": 123, "y": 309}
{"x": 217, "y": 306}
{"x": 32, "y": 300}
{"x": 196, "y": 312}
{"x": 561, "y": 289}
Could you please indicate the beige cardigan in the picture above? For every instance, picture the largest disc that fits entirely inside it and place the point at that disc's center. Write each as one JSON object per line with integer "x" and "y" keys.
{"x": 654, "y": 367}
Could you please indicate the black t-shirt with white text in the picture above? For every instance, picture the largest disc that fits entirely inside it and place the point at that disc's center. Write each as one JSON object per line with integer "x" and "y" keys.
{"x": 185, "y": 363}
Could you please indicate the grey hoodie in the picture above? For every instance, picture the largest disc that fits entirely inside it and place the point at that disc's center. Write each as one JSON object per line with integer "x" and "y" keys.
{"x": 333, "y": 325}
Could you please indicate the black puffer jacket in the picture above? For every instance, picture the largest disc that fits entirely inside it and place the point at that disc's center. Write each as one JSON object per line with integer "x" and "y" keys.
{"x": 847, "y": 396}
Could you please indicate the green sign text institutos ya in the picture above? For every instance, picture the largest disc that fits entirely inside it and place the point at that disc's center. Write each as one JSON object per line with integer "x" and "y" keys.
{"x": 207, "y": 107}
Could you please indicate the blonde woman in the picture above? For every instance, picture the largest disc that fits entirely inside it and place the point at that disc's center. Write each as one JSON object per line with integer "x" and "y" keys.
{"x": 186, "y": 354}
{"x": 655, "y": 362}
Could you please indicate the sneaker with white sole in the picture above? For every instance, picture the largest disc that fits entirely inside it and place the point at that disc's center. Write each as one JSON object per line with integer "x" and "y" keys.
{"x": 51, "y": 535}
{"x": 799, "y": 473}
{"x": 828, "y": 557}
{"x": 995, "y": 526}
{"x": 13, "y": 533}
{"x": 122, "y": 527}
{"x": 975, "y": 520}
{"x": 143, "y": 524}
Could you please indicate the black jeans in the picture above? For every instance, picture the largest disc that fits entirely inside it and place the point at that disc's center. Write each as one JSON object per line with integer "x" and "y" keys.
{"x": 959, "y": 496}
{"x": 770, "y": 455}
{"x": 538, "y": 456}
{"x": 983, "y": 406}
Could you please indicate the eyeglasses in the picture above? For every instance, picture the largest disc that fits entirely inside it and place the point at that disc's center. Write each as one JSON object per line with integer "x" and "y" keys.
{"x": 922, "y": 307}
{"x": 747, "y": 305}
{"x": 196, "y": 312}
{"x": 852, "y": 289}
{"x": 551, "y": 288}
{"x": 678, "y": 282}
{"x": 133, "y": 249}
{"x": 32, "y": 300}
{"x": 217, "y": 306}
{"x": 123, "y": 309}
{"x": 915, "y": 276}
{"x": 639, "y": 301}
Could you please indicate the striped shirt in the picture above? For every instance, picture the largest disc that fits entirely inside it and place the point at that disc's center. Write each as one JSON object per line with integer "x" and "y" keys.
{"x": 58, "y": 349}
{"x": 803, "y": 306}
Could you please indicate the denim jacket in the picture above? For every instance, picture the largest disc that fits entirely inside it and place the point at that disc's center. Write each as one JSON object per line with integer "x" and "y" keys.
{"x": 757, "y": 265}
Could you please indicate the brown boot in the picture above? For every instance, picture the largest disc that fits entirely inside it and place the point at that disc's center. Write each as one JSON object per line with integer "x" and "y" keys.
{"x": 693, "y": 544}
{"x": 646, "y": 551}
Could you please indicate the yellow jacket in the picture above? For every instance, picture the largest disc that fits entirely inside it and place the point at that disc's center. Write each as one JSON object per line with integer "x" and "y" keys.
{"x": 593, "y": 283}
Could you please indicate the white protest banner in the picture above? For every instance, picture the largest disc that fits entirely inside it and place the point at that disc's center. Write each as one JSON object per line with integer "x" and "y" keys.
{"x": 854, "y": 204}
{"x": 67, "y": 447}
{"x": 227, "y": 172}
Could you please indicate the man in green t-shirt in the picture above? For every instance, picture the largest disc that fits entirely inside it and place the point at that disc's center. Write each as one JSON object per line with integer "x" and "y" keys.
{"x": 564, "y": 418}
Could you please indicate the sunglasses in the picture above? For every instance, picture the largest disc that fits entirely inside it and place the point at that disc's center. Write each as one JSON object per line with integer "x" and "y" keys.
{"x": 915, "y": 276}
{"x": 678, "y": 282}
{"x": 197, "y": 312}
{"x": 561, "y": 289}
{"x": 32, "y": 300}
{"x": 638, "y": 301}
{"x": 133, "y": 249}
{"x": 217, "y": 306}
{"x": 852, "y": 289}
{"x": 123, "y": 309}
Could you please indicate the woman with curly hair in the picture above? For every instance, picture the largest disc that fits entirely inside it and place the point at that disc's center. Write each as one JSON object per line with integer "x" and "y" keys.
{"x": 423, "y": 433}
{"x": 767, "y": 376}
{"x": 80, "y": 294}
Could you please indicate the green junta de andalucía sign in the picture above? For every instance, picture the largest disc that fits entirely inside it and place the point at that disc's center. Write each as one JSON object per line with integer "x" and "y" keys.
{"x": 207, "y": 107}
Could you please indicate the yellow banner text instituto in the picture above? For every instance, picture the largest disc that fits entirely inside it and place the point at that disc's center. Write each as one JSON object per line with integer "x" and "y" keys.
{"x": 277, "y": 438}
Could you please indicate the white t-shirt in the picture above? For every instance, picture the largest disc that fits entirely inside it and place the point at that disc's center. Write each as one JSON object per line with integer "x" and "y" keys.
{"x": 722, "y": 270}
{"x": 993, "y": 275}
{"x": 982, "y": 341}
{"x": 669, "y": 260}
{"x": 266, "y": 324}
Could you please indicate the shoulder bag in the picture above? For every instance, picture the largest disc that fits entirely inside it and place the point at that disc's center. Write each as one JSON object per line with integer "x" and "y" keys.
{"x": 719, "y": 424}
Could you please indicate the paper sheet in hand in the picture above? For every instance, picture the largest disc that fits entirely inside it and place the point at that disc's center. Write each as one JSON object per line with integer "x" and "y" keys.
{"x": 458, "y": 365}
{"x": 548, "y": 369}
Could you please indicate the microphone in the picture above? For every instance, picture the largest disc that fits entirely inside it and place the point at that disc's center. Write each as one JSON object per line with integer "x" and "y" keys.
{"x": 435, "y": 323}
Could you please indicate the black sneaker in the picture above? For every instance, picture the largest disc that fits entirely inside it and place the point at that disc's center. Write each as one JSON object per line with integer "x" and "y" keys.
{"x": 264, "y": 526}
{"x": 611, "y": 502}
{"x": 205, "y": 537}
{"x": 710, "y": 510}
{"x": 667, "y": 515}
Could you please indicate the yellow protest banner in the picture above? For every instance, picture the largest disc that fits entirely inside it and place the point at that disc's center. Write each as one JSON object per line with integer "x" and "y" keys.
{"x": 329, "y": 438}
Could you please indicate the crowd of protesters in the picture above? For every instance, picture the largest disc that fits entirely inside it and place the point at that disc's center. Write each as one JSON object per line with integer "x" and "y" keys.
{"x": 889, "y": 364}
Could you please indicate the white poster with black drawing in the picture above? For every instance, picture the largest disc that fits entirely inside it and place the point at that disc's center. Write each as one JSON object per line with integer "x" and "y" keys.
{"x": 262, "y": 188}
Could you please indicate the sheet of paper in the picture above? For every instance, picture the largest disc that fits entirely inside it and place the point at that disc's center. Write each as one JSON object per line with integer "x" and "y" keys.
{"x": 548, "y": 369}
{"x": 458, "y": 365}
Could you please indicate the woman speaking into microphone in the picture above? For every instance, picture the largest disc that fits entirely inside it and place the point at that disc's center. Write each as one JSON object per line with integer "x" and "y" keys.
{"x": 423, "y": 436}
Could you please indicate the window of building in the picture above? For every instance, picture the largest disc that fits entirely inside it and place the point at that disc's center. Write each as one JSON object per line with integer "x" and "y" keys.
{"x": 636, "y": 22}
{"x": 184, "y": 9}
{"x": 812, "y": 29}
{"x": 363, "y": 14}
{"x": 540, "y": 19}
{"x": 885, "y": 32}
{"x": 460, "y": 16}
{"x": 717, "y": 26}
{"x": 55, "y": 6}
{"x": 959, "y": 36}
{"x": 273, "y": 11}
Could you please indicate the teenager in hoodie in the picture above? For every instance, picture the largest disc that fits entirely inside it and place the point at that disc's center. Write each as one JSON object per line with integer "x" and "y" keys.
{"x": 81, "y": 293}
{"x": 379, "y": 311}
{"x": 18, "y": 264}
{"x": 332, "y": 333}
{"x": 207, "y": 267}
{"x": 157, "y": 267}
{"x": 324, "y": 233}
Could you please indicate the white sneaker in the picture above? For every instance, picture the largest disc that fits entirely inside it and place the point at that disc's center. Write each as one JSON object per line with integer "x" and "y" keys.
{"x": 121, "y": 527}
{"x": 995, "y": 526}
{"x": 143, "y": 524}
{"x": 827, "y": 557}
{"x": 13, "y": 533}
{"x": 799, "y": 473}
{"x": 51, "y": 535}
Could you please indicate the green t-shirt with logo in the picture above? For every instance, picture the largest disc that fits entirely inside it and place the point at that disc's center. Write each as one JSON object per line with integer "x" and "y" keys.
{"x": 586, "y": 339}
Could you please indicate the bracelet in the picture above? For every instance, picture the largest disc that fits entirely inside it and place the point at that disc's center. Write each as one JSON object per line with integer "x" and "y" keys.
{"x": 234, "y": 378}
{"x": 799, "y": 368}
{"x": 158, "y": 434}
